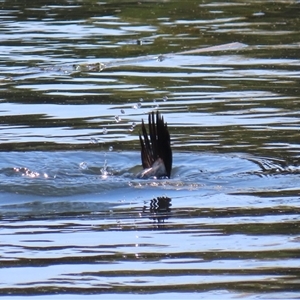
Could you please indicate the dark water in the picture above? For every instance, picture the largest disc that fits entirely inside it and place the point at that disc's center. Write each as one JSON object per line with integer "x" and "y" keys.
{"x": 74, "y": 219}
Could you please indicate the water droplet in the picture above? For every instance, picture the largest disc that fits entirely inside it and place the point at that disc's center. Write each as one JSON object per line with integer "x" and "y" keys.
{"x": 104, "y": 130}
{"x": 160, "y": 58}
{"x": 139, "y": 105}
{"x": 141, "y": 99}
{"x": 104, "y": 170}
{"x": 111, "y": 148}
{"x": 165, "y": 98}
{"x": 122, "y": 111}
{"x": 83, "y": 166}
{"x": 134, "y": 106}
{"x": 102, "y": 67}
{"x": 94, "y": 141}
{"x": 132, "y": 126}
{"x": 117, "y": 119}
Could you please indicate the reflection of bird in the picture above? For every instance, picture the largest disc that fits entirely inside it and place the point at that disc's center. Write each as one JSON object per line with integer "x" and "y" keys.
{"x": 159, "y": 209}
{"x": 156, "y": 151}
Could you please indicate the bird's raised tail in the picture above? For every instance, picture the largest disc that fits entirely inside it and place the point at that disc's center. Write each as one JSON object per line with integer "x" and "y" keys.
{"x": 156, "y": 152}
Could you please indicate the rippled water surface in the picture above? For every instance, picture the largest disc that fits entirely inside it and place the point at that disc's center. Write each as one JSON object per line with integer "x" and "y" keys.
{"x": 77, "y": 77}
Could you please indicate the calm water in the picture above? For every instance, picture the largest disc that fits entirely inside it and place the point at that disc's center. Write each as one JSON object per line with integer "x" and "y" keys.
{"x": 74, "y": 219}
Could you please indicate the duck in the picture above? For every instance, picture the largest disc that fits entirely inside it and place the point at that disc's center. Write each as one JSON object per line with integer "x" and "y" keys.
{"x": 156, "y": 152}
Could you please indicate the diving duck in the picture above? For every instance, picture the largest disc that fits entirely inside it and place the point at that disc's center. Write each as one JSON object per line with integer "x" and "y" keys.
{"x": 156, "y": 152}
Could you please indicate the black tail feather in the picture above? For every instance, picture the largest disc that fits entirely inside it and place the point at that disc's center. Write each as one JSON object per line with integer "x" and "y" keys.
{"x": 159, "y": 144}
